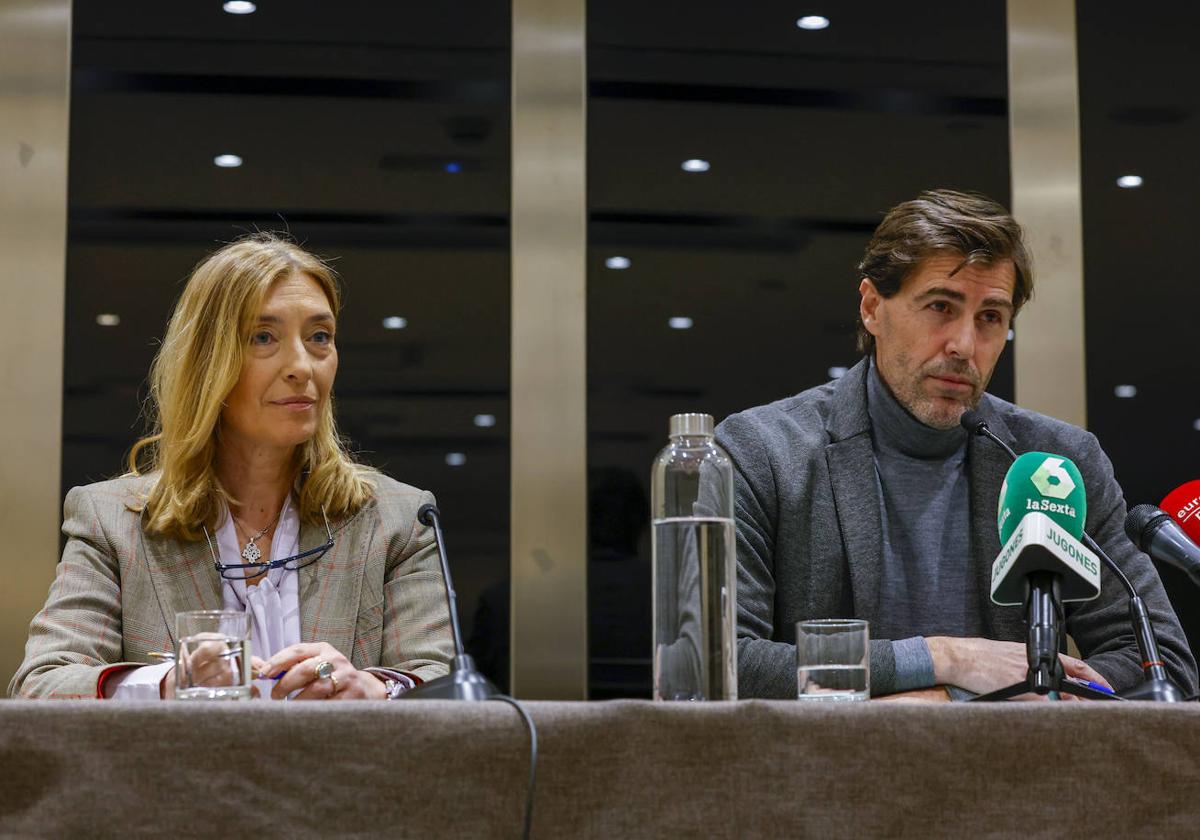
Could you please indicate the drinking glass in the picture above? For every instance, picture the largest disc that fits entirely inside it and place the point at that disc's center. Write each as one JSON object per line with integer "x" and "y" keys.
{"x": 833, "y": 659}
{"x": 212, "y": 661}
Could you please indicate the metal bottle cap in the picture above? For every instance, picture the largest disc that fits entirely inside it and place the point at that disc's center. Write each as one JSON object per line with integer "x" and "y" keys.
{"x": 691, "y": 424}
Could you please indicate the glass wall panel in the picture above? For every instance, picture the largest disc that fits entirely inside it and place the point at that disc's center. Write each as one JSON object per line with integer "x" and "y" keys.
{"x": 1140, "y": 127}
{"x": 377, "y": 135}
{"x": 721, "y": 285}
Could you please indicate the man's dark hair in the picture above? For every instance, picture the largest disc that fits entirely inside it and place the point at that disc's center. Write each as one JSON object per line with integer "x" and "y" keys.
{"x": 939, "y": 222}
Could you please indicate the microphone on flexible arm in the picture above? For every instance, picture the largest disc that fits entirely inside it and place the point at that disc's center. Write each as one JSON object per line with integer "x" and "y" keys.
{"x": 1170, "y": 537}
{"x": 464, "y": 682}
{"x": 1156, "y": 685}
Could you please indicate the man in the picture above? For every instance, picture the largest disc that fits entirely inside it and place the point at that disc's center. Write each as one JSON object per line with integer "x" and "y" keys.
{"x": 864, "y": 498}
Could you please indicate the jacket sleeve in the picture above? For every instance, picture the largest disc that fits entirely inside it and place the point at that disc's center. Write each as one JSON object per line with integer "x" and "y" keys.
{"x": 1101, "y": 627}
{"x": 77, "y": 634}
{"x": 416, "y": 621}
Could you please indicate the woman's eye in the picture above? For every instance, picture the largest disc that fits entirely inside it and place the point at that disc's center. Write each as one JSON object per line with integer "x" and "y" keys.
{"x": 260, "y": 337}
{"x": 940, "y": 306}
{"x": 322, "y": 337}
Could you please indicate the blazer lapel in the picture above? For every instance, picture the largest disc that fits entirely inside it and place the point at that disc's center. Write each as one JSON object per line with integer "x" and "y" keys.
{"x": 851, "y": 460}
{"x": 987, "y": 465}
{"x": 331, "y": 588}
{"x": 183, "y": 577}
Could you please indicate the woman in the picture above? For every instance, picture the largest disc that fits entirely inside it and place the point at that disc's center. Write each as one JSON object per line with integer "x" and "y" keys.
{"x": 244, "y": 498}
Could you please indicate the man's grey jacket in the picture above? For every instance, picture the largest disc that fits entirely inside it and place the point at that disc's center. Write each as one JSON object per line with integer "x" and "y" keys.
{"x": 809, "y": 528}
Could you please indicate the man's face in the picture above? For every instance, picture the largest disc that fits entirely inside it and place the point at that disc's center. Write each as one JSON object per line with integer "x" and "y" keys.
{"x": 938, "y": 339}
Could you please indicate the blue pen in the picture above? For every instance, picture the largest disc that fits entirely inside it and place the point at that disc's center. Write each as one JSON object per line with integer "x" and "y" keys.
{"x": 1097, "y": 686}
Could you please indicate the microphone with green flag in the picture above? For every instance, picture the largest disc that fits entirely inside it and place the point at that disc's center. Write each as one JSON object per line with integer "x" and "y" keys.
{"x": 1043, "y": 506}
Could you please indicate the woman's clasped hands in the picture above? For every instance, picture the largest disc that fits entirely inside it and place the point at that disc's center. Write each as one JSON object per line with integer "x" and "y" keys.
{"x": 317, "y": 671}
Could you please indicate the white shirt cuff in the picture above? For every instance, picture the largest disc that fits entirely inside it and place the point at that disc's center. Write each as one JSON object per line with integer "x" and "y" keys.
{"x": 138, "y": 683}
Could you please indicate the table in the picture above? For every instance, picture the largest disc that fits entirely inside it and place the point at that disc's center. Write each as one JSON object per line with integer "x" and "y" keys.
{"x": 614, "y": 769}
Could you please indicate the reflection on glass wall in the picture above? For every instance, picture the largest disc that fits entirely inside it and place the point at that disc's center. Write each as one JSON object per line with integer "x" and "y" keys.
{"x": 1140, "y": 126}
{"x": 378, "y": 136}
{"x": 738, "y": 162}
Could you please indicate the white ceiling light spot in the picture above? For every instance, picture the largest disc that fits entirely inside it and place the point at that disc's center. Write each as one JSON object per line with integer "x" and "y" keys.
{"x": 813, "y": 22}
{"x": 228, "y": 161}
{"x": 696, "y": 165}
{"x": 1196, "y": 424}
{"x": 617, "y": 263}
{"x": 1129, "y": 182}
{"x": 456, "y": 459}
{"x": 838, "y": 372}
{"x": 1125, "y": 392}
{"x": 680, "y": 322}
{"x": 394, "y": 322}
{"x": 240, "y": 7}
{"x": 108, "y": 319}
{"x": 485, "y": 421}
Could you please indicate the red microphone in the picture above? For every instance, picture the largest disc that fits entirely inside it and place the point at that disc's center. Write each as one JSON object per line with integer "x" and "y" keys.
{"x": 1183, "y": 505}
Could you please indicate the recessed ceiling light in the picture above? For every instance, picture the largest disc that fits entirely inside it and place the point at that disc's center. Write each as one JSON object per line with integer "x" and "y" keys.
{"x": 240, "y": 7}
{"x": 1129, "y": 182}
{"x": 485, "y": 421}
{"x": 456, "y": 459}
{"x": 227, "y": 161}
{"x": 680, "y": 322}
{"x": 1012, "y": 334}
{"x": 838, "y": 372}
{"x": 394, "y": 322}
{"x": 617, "y": 263}
{"x": 108, "y": 319}
{"x": 1125, "y": 392}
{"x": 695, "y": 165}
{"x": 1196, "y": 424}
{"x": 452, "y": 167}
{"x": 813, "y": 22}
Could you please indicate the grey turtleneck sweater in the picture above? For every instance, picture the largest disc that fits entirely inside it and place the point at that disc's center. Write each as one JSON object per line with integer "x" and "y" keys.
{"x": 928, "y": 586}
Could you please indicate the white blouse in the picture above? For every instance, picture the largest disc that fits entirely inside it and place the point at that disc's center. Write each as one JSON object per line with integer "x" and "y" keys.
{"x": 273, "y": 604}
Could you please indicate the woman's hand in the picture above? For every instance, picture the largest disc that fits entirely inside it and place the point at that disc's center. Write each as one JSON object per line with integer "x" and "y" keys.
{"x": 301, "y": 661}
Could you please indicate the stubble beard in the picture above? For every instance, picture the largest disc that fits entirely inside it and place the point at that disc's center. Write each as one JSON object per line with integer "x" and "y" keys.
{"x": 937, "y": 412}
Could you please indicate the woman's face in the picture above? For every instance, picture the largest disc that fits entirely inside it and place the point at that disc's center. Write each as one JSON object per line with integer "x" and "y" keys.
{"x": 288, "y": 369}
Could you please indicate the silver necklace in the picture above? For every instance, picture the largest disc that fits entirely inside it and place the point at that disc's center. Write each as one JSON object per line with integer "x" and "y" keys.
{"x": 251, "y": 553}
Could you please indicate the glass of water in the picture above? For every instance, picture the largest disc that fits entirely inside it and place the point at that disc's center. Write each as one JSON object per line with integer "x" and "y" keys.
{"x": 212, "y": 661}
{"x": 833, "y": 659}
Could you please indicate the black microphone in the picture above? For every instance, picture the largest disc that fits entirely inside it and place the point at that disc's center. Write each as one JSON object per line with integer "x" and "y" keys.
{"x": 464, "y": 682}
{"x": 1159, "y": 535}
{"x": 1157, "y": 685}
{"x": 974, "y": 423}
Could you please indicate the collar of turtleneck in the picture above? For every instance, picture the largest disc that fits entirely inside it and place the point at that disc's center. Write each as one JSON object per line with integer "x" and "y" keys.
{"x": 895, "y": 429}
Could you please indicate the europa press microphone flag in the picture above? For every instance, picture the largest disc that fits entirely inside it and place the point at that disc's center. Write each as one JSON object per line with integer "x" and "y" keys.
{"x": 1042, "y": 510}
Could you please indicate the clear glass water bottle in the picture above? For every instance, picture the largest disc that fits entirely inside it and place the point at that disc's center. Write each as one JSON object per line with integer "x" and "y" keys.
{"x": 695, "y": 566}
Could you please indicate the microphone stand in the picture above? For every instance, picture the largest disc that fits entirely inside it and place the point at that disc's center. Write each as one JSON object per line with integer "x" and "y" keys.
{"x": 1044, "y": 618}
{"x": 464, "y": 682}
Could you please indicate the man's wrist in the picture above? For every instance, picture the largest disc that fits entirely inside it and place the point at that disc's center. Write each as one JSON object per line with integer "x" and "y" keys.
{"x": 945, "y": 661}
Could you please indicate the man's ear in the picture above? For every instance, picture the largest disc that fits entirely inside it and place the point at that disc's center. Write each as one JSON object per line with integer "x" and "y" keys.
{"x": 868, "y": 305}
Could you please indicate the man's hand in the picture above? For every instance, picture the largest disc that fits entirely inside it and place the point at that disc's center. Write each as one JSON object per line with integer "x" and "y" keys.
{"x": 984, "y": 665}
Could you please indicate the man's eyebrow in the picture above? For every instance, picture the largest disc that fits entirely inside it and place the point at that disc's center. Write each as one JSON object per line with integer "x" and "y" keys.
{"x": 956, "y": 295}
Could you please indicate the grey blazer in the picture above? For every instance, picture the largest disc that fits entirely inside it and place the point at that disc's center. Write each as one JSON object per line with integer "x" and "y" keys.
{"x": 377, "y": 596}
{"x": 809, "y": 525}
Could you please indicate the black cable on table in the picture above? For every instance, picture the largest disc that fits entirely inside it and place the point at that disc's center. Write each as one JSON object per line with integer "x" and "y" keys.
{"x": 516, "y": 704}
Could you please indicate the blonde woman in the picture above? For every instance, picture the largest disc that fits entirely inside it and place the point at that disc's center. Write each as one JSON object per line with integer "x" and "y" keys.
{"x": 244, "y": 498}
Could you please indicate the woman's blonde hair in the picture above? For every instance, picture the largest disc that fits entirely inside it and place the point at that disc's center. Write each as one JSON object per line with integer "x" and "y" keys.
{"x": 200, "y": 362}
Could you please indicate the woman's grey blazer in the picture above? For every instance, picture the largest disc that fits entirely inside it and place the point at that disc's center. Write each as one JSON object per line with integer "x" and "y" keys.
{"x": 377, "y": 596}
